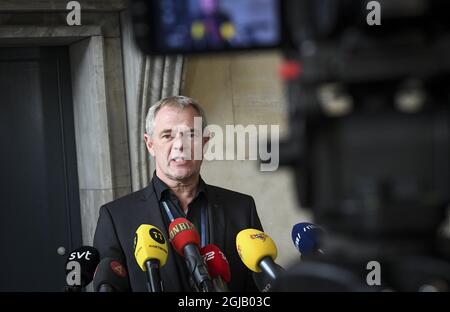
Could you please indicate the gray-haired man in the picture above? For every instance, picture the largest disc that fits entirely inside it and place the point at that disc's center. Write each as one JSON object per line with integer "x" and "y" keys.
{"x": 217, "y": 213}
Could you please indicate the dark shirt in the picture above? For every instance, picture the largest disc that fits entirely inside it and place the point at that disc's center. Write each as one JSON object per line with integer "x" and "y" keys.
{"x": 200, "y": 201}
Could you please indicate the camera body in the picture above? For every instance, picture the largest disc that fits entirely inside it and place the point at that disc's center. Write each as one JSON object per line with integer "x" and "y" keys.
{"x": 371, "y": 153}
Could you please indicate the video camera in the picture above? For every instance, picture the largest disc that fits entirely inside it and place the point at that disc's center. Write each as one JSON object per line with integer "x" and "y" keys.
{"x": 368, "y": 98}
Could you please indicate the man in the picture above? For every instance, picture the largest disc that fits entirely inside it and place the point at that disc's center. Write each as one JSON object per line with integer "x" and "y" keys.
{"x": 218, "y": 214}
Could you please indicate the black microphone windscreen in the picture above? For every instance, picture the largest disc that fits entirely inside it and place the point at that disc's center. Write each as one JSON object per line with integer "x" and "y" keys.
{"x": 112, "y": 273}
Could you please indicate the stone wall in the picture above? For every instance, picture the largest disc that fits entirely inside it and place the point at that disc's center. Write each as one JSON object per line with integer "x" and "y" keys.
{"x": 244, "y": 89}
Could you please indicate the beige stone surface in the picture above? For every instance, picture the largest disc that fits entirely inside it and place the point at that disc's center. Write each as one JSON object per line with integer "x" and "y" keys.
{"x": 244, "y": 89}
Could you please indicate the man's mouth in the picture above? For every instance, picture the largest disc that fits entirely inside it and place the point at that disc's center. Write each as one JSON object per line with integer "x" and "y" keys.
{"x": 179, "y": 160}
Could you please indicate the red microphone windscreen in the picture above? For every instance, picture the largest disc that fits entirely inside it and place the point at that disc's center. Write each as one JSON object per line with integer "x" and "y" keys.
{"x": 217, "y": 262}
{"x": 181, "y": 233}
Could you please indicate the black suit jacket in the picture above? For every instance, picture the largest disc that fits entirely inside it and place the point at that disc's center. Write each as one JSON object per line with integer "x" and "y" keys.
{"x": 230, "y": 212}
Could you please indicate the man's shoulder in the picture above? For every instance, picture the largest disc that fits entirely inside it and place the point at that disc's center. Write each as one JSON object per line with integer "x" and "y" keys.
{"x": 240, "y": 208}
{"x": 128, "y": 201}
{"x": 227, "y": 193}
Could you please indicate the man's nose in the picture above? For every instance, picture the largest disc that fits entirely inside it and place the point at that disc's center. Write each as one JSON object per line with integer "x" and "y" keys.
{"x": 178, "y": 142}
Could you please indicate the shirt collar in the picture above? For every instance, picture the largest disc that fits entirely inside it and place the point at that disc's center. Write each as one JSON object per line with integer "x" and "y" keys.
{"x": 161, "y": 188}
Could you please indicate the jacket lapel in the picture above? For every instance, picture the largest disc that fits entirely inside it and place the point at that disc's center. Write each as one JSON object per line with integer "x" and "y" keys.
{"x": 216, "y": 219}
{"x": 152, "y": 211}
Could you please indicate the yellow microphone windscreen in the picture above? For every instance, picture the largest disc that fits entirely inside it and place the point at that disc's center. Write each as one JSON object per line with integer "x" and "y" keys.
{"x": 149, "y": 243}
{"x": 252, "y": 246}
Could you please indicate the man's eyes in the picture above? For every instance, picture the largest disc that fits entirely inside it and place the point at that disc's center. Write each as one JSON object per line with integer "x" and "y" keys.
{"x": 189, "y": 135}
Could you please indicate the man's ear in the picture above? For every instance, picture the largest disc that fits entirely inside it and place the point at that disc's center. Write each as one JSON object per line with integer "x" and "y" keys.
{"x": 149, "y": 144}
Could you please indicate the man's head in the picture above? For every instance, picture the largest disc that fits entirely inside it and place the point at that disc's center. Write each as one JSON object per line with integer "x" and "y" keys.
{"x": 209, "y": 7}
{"x": 172, "y": 139}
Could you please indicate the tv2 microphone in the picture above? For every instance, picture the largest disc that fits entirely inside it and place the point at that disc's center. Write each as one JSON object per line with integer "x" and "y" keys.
{"x": 218, "y": 266}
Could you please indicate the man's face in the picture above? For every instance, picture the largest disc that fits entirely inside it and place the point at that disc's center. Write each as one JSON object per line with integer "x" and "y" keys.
{"x": 209, "y": 6}
{"x": 174, "y": 141}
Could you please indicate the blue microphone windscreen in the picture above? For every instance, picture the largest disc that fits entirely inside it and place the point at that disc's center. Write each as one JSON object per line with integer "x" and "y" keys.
{"x": 306, "y": 237}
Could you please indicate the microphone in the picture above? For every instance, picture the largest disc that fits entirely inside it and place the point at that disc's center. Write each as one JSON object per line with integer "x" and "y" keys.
{"x": 264, "y": 282}
{"x": 306, "y": 237}
{"x": 80, "y": 267}
{"x": 218, "y": 266}
{"x": 150, "y": 251}
{"x": 258, "y": 252}
{"x": 110, "y": 276}
{"x": 185, "y": 240}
